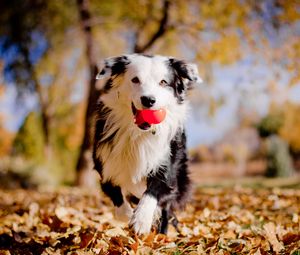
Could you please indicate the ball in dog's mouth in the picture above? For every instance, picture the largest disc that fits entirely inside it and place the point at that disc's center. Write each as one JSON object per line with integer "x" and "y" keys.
{"x": 146, "y": 117}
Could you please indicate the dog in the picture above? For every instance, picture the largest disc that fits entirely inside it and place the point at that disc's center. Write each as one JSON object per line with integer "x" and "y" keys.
{"x": 143, "y": 164}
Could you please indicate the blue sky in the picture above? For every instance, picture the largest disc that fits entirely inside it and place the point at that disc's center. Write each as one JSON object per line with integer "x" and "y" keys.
{"x": 243, "y": 85}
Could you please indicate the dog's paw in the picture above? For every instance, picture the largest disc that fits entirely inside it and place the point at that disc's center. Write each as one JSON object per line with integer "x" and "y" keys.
{"x": 141, "y": 224}
{"x": 124, "y": 212}
{"x": 142, "y": 218}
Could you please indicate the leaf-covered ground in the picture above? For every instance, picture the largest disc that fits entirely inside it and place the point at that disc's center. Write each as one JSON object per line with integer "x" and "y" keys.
{"x": 217, "y": 221}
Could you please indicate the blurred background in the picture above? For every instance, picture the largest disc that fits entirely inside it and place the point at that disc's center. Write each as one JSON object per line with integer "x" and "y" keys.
{"x": 245, "y": 118}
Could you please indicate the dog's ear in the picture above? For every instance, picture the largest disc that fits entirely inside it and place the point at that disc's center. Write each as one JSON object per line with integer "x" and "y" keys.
{"x": 188, "y": 72}
{"x": 113, "y": 66}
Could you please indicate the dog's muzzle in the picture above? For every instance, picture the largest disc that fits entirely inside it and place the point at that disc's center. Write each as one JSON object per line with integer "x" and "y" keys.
{"x": 144, "y": 125}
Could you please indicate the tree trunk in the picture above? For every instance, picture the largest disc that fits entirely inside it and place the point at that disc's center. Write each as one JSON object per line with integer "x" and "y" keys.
{"x": 84, "y": 165}
{"x": 46, "y": 117}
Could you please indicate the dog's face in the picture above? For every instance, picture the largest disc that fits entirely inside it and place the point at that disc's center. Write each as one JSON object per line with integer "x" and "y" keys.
{"x": 146, "y": 82}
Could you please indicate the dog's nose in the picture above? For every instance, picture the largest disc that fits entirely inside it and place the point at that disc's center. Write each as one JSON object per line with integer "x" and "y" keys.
{"x": 148, "y": 101}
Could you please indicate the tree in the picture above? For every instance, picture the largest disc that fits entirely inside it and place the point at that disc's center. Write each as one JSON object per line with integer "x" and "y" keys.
{"x": 26, "y": 35}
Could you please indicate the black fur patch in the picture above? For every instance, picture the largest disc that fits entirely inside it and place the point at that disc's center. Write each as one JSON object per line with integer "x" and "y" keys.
{"x": 180, "y": 72}
{"x": 110, "y": 138}
{"x": 177, "y": 71}
{"x": 100, "y": 112}
{"x": 97, "y": 164}
{"x": 132, "y": 199}
{"x": 114, "y": 192}
{"x": 119, "y": 66}
{"x": 179, "y": 160}
{"x": 170, "y": 184}
{"x": 164, "y": 221}
{"x": 167, "y": 216}
{"x": 180, "y": 67}
{"x": 108, "y": 85}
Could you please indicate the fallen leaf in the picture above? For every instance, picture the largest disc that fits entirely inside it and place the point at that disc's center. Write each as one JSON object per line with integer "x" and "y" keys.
{"x": 271, "y": 236}
{"x": 134, "y": 246}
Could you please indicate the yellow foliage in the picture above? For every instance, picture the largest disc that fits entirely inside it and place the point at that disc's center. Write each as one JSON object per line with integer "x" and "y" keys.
{"x": 6, "y": 139}
{"x": 201, "y": 154}
{"x": 224, "y": 50}
{"x": 293, "y": 53}
{"x": 228, "y": 152}
{"x": 290, "y": 130}
{"x": 225, "y": 13}
{"x": 290, "y": 11}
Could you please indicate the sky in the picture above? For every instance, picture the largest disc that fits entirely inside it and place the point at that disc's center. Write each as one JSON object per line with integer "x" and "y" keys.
{"x": 243, "y": 85}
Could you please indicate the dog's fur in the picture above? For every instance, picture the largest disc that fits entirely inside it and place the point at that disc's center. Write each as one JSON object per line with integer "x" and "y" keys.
{"x": 146, "y": 167}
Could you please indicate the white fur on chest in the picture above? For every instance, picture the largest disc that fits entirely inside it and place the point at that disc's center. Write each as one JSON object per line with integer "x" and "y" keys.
{"x": 129, "y": 159}
{"x": 133, "y": 154}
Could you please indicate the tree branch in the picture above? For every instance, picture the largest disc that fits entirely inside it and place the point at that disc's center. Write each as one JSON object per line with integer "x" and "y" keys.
{"x": 162, "y": 29}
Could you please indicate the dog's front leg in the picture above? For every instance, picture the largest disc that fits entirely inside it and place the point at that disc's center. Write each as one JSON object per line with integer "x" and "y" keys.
{"x": 123, "y": 210}
{"x": 158, "y": 187}
{"x": 143, "y": 215}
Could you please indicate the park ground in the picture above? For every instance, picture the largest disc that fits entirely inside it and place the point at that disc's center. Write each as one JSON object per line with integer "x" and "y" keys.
{"x": 240, "y": 216}
{"x": 227, "y": 214}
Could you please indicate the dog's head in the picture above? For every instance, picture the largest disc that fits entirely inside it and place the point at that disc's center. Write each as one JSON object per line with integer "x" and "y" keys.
{"x": 146, "y": 82}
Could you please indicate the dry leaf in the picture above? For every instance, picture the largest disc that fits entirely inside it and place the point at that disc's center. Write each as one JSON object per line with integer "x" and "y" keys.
{"x": 134, "y": 246}
{"x": 271, "y": 236}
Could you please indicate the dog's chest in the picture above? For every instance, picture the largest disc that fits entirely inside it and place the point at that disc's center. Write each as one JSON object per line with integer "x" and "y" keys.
{"x": 128, "y": 160}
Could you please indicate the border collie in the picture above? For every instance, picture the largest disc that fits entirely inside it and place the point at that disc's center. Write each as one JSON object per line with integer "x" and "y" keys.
{"x": 143, "y": 164}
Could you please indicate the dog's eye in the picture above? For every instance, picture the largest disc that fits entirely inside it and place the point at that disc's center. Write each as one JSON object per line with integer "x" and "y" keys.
{"x": 163, "y": 83}
{"x": 135, "y": 80}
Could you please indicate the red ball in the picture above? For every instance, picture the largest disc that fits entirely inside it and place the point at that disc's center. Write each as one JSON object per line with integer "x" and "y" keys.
{"x": 150, "y": 116}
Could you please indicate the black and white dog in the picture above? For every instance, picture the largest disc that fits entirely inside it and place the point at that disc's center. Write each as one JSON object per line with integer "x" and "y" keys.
{"x": 138, "y": 165}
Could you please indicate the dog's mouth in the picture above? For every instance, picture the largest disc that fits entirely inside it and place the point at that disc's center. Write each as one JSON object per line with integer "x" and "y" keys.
{"x": 142, "y": 125}
{"x": 145, "y": 118}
